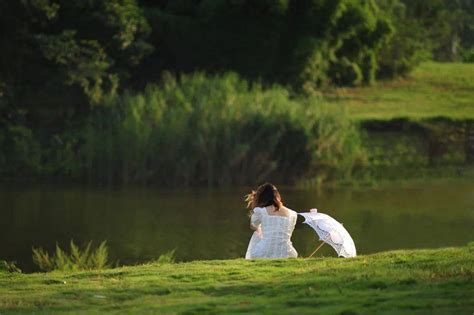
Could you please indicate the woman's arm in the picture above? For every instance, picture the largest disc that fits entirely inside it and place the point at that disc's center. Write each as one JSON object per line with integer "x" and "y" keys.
{"x": 255, "y": 219}
{"x": 253, "y": 227}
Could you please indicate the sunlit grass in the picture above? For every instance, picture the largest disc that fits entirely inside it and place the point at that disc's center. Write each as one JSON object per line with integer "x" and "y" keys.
{"x": 432, "y": 90}
{"x": 399, "y": 282}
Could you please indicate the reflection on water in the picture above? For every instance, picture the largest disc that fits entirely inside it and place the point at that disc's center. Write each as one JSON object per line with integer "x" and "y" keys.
{"x": 141, "y": 223}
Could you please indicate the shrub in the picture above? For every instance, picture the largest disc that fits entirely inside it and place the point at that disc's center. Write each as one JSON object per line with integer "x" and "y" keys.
{"x": 166, "y": 258}
{"x": 77, "y": 259}
{"x": 9, "y": 267}
{"x": 21, "y": 152}
{"x": 467, "y": 55}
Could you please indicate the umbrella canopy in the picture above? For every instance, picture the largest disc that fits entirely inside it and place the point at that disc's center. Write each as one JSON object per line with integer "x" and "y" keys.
{"x": 331, "y": 232}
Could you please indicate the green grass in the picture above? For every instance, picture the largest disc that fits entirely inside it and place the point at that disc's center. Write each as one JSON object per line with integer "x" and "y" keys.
{"x": 432, "y": 90}
{"x": 437, "y": 281}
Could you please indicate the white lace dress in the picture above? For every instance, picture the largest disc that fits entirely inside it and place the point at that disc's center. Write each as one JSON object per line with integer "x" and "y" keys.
{"x": 272, "y": 239}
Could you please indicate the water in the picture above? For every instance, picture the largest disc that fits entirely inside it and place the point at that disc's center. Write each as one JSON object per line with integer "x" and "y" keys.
{"x": 141, "y": 223}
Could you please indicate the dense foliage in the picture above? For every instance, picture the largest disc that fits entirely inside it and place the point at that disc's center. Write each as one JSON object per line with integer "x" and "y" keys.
{"x": 66, "y": 67}
{"x": 446, "y": 26}
{"x": 305, "y": 43}
{"x": 198, "y": 130}
{"x": 58, "y": 57}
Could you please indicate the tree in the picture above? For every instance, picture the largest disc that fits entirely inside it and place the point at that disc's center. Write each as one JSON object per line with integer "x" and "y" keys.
{"x": 305, "y": 43}
{"x": 335, "y": 41}
{"x": 448, "y": 24}
{"x": 60, "y": 56}
{"x": 410, "y": 44}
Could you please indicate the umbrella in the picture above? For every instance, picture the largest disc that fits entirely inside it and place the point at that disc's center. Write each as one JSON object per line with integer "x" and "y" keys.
{"x": 330, "y": 232}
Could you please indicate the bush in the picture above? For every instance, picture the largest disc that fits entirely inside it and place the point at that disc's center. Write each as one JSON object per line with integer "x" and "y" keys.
{"x": 77, "y": 259}
{"x": 467, "y": 55}
{"x": 21, "y": 152}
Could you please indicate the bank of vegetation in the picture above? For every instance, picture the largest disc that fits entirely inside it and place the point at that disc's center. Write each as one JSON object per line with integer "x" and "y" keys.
{"x": 228, "y": 93}
{"x": 199, "y": 131}
{"x": 396, "y": 282}
{"x": 416, "y": 127}
{"x": 221, "y": 130}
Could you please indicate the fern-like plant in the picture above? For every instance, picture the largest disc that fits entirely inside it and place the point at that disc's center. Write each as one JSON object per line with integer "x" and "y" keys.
{"x": 167, "y": 258}
{"x": 9, "y": 267}
{"x": 77, "y": 259}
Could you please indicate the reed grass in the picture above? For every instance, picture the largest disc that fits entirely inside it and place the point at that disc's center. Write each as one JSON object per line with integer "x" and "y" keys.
{"x": 216, "y": 131}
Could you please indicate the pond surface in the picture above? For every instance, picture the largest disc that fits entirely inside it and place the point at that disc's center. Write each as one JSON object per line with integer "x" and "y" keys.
{"x": 142, "y": 223}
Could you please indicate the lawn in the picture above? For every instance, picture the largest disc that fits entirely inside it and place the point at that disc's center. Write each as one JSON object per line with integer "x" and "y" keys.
{"x": 432, "y": 90}
{"x": 435, "y": 281}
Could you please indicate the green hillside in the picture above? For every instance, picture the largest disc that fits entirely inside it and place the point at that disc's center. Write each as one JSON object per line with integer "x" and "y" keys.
{"x": 437, "y": 281}
{"x": 433, "y": 90}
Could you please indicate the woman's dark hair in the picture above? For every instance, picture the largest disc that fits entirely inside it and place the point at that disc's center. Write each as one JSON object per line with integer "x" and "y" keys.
{"x": 265, "y": 195}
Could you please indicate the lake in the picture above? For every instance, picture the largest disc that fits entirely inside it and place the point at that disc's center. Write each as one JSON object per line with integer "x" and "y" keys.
{"x": 142, "y": 223}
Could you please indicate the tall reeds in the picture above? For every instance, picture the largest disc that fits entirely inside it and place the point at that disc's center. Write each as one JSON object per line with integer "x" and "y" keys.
{"x": 216, "y": 130}
{"x": 198, "y": 130}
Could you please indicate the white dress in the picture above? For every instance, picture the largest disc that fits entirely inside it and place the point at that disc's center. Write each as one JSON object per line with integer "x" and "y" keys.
{"x": 272, "y": 239}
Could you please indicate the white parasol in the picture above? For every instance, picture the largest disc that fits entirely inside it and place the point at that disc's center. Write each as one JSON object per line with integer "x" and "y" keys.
{"x": 331, "y": 232}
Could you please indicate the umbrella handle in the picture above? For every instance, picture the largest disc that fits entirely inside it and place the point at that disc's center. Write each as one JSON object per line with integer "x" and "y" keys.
{"x": 320, "y": 245}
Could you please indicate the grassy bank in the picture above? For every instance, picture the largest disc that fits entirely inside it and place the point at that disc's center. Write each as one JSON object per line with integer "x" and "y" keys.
{"x": 432, "y": 90}
{"x": 419, "y": 126}
{"x": 438, "y": 281}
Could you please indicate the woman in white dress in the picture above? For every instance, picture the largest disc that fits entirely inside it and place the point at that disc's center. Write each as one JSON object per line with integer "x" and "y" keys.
{"x": 273, "y": 224}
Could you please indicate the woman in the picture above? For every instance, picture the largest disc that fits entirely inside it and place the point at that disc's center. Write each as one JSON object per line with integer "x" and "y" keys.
{"x": 273, "y": 224}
